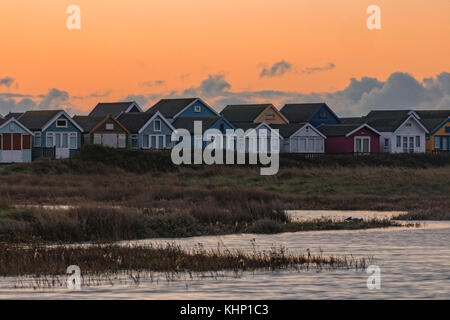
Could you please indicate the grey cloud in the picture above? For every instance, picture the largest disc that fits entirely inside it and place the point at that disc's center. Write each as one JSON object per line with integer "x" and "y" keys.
{"x": 399, "y": 91}
{"x": 54, "y": 99}
{"x": 310, "y": 70}
{"x": 276, "y": 70}
{"x": 7, "y": 81}
{"x": 148, "y": 84}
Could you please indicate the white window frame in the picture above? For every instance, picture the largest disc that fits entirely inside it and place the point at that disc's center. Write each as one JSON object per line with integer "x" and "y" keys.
{"x": 109, "y": 126}
{"x": 61, "y": 137}
{"x": 198, "y": 109}
{"x": 73, "y": 135}
{"x": 160, "y": 125}
{"x": 36, "y": 136}
{"x": 362, "y": 138}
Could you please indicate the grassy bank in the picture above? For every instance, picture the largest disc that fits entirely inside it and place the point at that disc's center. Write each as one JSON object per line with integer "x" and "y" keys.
{"x": 112, "y": 259}
{"x": 97, "y": 224}
{"x": 152, "y": 200}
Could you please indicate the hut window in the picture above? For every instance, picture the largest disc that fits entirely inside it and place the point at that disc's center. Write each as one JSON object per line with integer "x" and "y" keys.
{"x": 122, "y": 140}
{"x": 418, "y": 141}
{"x": 157, "y": 125}
{"x": 399, "y": 141}
{"x": 198, "y": 109}
{"x": 50, "y": 140}
{"x": 61, "y": 123}
{"x": 437, "y": 142}
{"x": 110, "y": 126}
{"x": 134, "y": 141}
{"x": 37, "y": 139}
{"x": 323, "y": 115}
{"x": 73, "y": 141}
{"x": 270, "y": 117}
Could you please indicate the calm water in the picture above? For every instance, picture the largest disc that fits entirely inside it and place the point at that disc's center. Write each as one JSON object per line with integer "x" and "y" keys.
{"x": 414, "y": 262}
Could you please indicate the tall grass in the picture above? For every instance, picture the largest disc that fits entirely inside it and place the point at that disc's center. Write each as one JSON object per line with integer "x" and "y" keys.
{"x": 100, "y": 259}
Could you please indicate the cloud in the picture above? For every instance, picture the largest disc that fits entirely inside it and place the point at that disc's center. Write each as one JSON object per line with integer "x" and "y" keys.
{"x": 53, "y": 99}
{"x": 149, "y": 84}
{"x": 282, "y": 67}
{"x": 276, "y": 70}
{"x": 7, "y": 81}
{"x": 399, "y": 91}
{"x": 213, "y": 86}
{"x": 310, "y": 70}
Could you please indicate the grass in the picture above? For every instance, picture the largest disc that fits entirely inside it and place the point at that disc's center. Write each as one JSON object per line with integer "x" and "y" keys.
{"x": 135, "y": 195}
{"x": 97, "y": 224}
{"x": 40, "y": 261}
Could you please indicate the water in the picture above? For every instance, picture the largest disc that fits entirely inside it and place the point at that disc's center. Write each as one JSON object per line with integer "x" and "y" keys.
{"x": 414, "y": 263}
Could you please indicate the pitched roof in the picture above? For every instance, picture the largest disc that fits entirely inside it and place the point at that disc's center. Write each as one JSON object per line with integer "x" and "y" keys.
{"x": 337, "y": 130}
{"x": 287, "y": 130}
{"x": 387, "y": 120}
{"x": 35, "y": 120}
{"x": 134, "y": 121}
{"x": 87, "y": 123}
{"x": 170, "y": 107}
{"x": 3, "y": 122}
{"x": 188, "y": 123}
{"x": 244, "y": 112}
{"x": 432, "y": 123}
{"x": 115, "y": 109}
{"x": 353, "y": 120}
{"x": 301, "y": 112}
{"x": 433, "y": 114}
{"x": 16, "y": 115}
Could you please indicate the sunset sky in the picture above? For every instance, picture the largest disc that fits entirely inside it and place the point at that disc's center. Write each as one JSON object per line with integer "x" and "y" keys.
{"x": 225, "y": 51}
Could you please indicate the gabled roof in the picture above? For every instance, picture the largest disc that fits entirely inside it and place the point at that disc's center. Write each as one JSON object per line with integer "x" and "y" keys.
{"x": 303, "y": 112}
{"x": 188, "y": 123}
{"x": 36, "y": 120}
{"x": 134, "y": 121}
{"x": 154, "y": 116}
{"x": 339, "y": 130}
{"x": 244, "y": 112}
{"x": 4, "y": 122}
{"x": 16, "y": 115}
{"x": 391, "y": 120}
{"x": 115, "y": 109}
{"x": 433, "y": 124}
{"x": 287, "y": 130}
{"x": 263, "y": 124}
{"x": 87, "y": 122}
{"x": 171, "y": 108}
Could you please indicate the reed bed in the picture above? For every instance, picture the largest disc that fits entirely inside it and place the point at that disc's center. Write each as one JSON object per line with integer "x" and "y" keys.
{"x": 39, "y": 261}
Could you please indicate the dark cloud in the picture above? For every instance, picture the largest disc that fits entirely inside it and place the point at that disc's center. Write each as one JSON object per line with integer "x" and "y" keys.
{"x": 277, "y": 69}
{"x": 310, "y": 70}
{"x": 149, "y": 84}
{"x": 7, "y": 81}
{"x": 399, "y": 91}
{"x": 54, "y": 99}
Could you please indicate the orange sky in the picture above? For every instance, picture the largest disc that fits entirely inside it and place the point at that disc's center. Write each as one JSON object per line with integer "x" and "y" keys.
{"x": 123, "y": 44}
